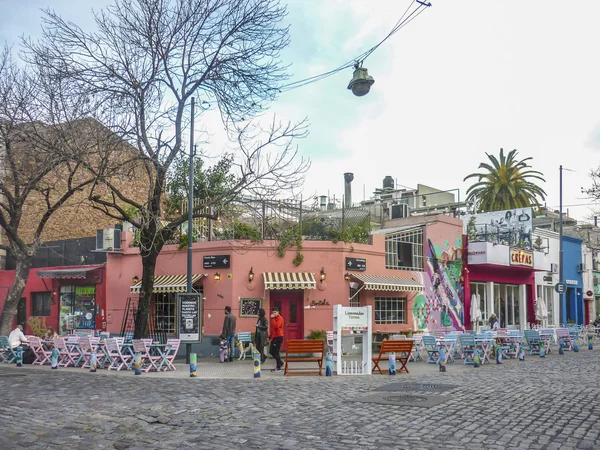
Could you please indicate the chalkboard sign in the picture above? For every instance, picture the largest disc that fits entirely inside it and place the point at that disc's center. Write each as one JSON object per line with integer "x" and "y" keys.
{"x": 249, "y": 307}
{"x": 190, "y": 316}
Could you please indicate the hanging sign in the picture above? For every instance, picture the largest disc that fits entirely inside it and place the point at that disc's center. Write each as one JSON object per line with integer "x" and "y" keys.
{"x": 190, "y": 316}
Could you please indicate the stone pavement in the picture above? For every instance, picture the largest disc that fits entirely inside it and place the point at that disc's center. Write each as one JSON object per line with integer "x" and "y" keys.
{"x": 549, "y": 403}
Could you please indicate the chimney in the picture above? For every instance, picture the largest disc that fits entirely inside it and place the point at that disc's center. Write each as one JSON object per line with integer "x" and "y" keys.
{"x": 323, "y": 202}
{"x": 348, "y": 177}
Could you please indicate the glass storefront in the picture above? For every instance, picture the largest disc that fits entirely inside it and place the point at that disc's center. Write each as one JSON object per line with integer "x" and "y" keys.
{"x": 506, "y": 304}
{"x": 479, "y": 290}
{"x": 546, "y": 294}
{"x": 77, "y": 308}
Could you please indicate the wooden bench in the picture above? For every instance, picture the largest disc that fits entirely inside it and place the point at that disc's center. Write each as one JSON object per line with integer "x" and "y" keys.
{"x": 402, "y": 350}
{"x": 296, "y": 351}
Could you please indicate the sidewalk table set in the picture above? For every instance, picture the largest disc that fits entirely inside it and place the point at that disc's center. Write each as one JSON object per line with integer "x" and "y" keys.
{"x": 111, "y": 353}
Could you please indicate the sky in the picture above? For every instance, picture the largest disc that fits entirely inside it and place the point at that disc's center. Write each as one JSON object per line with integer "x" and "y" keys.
{"x": 464, "y": 78}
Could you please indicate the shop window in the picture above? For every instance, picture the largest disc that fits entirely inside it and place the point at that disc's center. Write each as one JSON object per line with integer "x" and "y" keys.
{"x": 546, "y": 293}
{"x": 389, "y": 310}
{"x": 40, "y": 303}
{"x": 506, "y": 304}
{"x": 404, "y": 250}
{"x": 165, "y": 307}
{"x": 478, "y": 289}
{"x": 354, "y": 298}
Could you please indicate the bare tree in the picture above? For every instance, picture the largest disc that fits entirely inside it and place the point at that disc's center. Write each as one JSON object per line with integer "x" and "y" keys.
{"x": 145, "y": 63}
{"x": 39, "y": 147}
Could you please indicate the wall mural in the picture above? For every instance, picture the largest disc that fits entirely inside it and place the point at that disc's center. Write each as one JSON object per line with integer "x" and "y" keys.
{"x": 509, "y": 227}
{"x": 442, "y": 304}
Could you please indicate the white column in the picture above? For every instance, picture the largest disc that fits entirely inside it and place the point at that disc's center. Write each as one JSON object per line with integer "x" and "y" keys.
{"x": 523, "y": 306}
{"x": 489, "y": 290}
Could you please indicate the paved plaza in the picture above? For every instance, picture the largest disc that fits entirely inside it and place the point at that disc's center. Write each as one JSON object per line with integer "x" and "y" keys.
{"x": 550, "y": 403}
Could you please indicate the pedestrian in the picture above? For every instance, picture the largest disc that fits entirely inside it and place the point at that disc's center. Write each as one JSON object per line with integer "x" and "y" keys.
{"x": 493, "y": 322}
{"x": 261, "y": 335}
{"x": 276, "y": 338}
{"x": 16, "y": 338}
{"x": 229, "y": 331}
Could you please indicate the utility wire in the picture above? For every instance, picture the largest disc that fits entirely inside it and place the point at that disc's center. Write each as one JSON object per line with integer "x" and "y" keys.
{"x": 355, "y": 62}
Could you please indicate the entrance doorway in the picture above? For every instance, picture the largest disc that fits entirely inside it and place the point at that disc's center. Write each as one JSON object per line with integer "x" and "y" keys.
{"x": 290, "y": 307}
{"x": 22, "y": 312}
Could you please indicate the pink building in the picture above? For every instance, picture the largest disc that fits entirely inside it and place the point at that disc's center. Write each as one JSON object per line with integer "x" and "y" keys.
{"x": 409, "y": 274}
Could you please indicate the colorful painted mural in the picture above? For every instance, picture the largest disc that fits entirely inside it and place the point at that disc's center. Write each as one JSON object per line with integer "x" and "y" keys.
{"x": 442, "y": 304}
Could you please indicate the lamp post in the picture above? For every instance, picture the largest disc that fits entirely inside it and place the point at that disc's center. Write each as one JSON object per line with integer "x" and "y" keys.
{"x": 563, "y": 303}
{"x": 188, "y": 347}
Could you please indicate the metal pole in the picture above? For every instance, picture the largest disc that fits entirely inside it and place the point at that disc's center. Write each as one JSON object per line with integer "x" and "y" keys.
{"x": 563, "y": 303}
{"x": 190, "y": 231}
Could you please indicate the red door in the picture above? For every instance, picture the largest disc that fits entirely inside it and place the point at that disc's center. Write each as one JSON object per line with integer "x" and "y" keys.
{"x": 290, "y": 308}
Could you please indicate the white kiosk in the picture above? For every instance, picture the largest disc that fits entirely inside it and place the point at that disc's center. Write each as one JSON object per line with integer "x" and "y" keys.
{"x": 357, "y": 320}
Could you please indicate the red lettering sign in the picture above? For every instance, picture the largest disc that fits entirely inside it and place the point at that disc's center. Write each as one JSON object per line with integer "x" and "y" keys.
{"x": 520, "y": 257}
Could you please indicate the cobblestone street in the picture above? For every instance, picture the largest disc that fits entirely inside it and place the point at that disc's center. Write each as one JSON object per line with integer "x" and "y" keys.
{"x": 540, "y": 403}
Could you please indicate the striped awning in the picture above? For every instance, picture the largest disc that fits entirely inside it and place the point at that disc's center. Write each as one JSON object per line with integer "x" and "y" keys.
{"x": 289, "y": 280}
{"x": 383, "y": 283}
{"x": 167, "y": 283}
{"x": 66, "y": 273}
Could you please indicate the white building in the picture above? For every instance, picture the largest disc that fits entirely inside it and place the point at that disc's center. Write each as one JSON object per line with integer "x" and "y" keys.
{"x": 549, "y": 243}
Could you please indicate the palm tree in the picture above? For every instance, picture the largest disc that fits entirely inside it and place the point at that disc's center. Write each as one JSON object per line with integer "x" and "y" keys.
{"x": 505, "y": 184}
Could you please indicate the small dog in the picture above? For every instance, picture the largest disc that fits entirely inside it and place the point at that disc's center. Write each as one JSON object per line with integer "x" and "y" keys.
{"x": 244, "y": 350}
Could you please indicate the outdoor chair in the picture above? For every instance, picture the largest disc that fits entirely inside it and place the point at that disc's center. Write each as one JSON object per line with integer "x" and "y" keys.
{"x": 432, "y": 349}
{"x": 467, "y": 345}
{"x": 532, "y": 340}
{"x": 415, "y": 354}
{"x": 66, "y": 356}
{"x": 41, "y": 354}
{"x": 118, "y": 360}
{"x": 330, "y": 341}
{"x": 148, "y": 361}
{"x": 171, "y": 352}
{"x": 87, "y": 348}
{"x": 7, "y": 354}
{"x": 562, "y": 334}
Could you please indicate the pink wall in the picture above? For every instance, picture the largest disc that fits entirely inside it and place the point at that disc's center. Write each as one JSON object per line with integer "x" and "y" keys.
{"x": 262, "y": 258}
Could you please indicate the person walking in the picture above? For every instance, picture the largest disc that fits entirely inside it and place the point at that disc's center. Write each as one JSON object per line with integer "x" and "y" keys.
{"x": 261, "y": 335}
{"x": 229, "y": 331}
{"x": 276, "y": 338}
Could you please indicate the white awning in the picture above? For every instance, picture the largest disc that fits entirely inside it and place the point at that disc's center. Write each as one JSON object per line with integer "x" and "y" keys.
{"x": 388, "y": 283}
{"x": 167, "y": 283}
{"x": 289, "y": 280}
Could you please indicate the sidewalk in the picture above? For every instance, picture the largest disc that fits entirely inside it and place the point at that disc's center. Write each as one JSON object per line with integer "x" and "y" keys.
{"x": 211, "y": 368}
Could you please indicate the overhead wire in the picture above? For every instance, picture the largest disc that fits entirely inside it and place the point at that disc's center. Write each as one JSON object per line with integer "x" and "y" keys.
{"x": 355, "y": 62}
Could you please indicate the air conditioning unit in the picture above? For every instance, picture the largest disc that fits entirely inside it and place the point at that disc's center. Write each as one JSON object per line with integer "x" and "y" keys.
{"x": 554, "y": 268}
{"x": 108, "y": 240}
{"x": 400, "y": 211}
{"x": 596, "y": 281}
{"x": 581, "y": 267}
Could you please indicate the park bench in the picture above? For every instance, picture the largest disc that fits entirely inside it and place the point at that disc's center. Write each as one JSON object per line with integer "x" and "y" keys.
{"x": 402, "y": 349}
{"x": 303, "y": 350}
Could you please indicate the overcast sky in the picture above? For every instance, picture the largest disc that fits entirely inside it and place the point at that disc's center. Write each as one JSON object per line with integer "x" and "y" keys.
{"x": 464, "y": 78}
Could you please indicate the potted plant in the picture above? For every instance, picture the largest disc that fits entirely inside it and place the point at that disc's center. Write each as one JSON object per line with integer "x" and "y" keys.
{"x": 318, "y": 334}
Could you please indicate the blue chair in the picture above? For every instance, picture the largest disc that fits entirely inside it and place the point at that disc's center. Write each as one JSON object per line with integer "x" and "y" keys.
{"x": 9, "y": 356}
{"x": 532, "y": 340}
{"x": 467, "y": 344}
{"x": 432, "y": 349}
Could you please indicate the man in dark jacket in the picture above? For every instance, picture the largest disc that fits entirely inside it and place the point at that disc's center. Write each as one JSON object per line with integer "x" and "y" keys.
{"x": 229, "y": 331}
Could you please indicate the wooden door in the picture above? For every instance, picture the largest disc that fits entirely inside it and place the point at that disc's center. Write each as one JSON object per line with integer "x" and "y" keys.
{"x": 290, "y": 307}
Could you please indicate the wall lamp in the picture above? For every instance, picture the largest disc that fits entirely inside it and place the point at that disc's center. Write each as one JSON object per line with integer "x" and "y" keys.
{"x": 323, "y": 275}
{"x": 347, "y": 277}
{"x": 217, "y": 276}
{"x": 135, "y": 279}
{"x": 251, "y": 275}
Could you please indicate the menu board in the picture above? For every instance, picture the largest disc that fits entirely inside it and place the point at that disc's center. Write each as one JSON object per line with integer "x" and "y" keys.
{"x": 249, "y": 307}
{"x": 190, "y": 316}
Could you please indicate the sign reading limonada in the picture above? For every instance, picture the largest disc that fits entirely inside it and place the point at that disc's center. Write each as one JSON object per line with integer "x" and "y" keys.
{"x": 190, "y": 313}
{"x": 354, "y": 318}
{"x": 520, "y": 257}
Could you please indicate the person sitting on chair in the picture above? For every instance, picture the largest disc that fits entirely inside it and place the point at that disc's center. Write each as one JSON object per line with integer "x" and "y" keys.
{"x": 493, "y": 322}
{"x": 16, "y": 338}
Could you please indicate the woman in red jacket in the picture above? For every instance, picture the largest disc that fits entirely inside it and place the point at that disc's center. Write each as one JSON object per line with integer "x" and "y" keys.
{"x": 276, "y": 337}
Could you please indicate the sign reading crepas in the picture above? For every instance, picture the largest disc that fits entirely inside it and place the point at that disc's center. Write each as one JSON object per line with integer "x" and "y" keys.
{"x": 519, "y": 257}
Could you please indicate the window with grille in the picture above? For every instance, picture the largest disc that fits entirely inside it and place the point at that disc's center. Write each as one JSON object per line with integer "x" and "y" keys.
{"x": 354, "y": 298}
{"x": 40, "y": 303}
{"x": 165, "y": 309}
{"x": 404, "y": 250}
{"x": 390, "y": 310}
